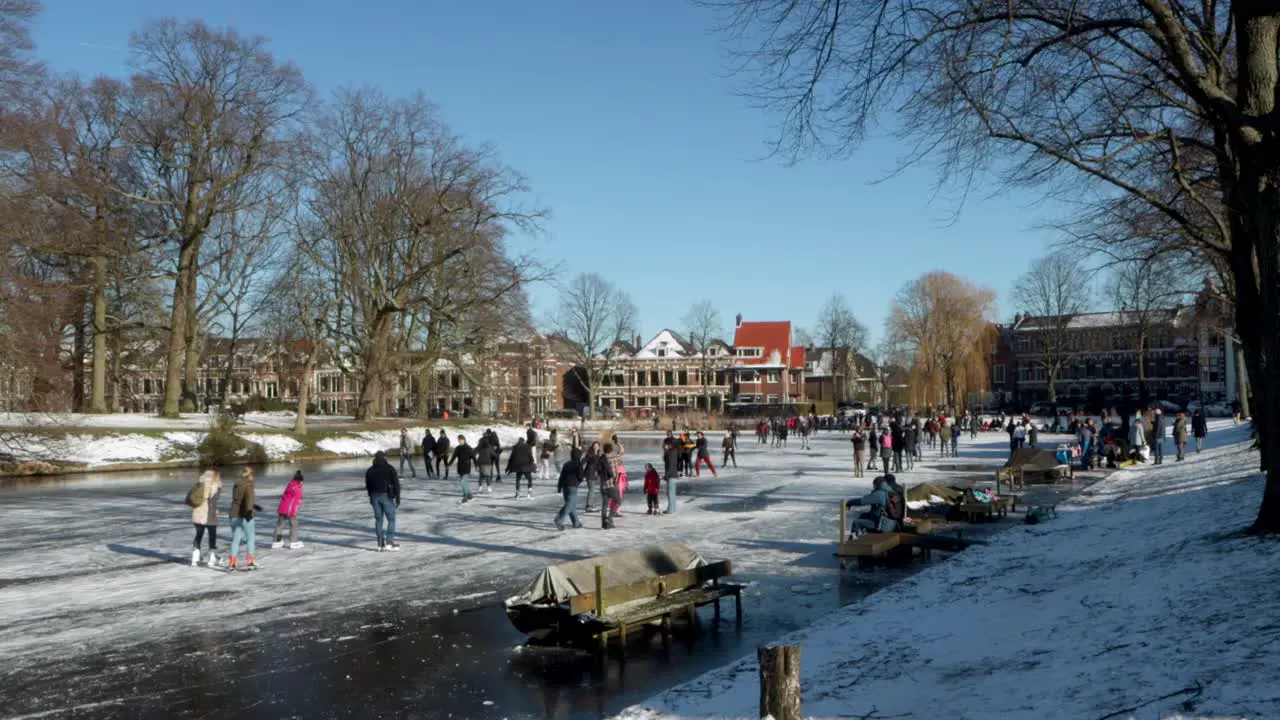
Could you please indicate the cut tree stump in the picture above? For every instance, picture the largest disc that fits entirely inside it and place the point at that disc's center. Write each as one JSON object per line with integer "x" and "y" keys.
{"x": 779, "y": 681}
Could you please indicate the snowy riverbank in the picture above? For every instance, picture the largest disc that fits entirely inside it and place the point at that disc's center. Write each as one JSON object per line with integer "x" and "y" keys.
{"x": 79, "y": 443}
{"x": 1142, "y": 599}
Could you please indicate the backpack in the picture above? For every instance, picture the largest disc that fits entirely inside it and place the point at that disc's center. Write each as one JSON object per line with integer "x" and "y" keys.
{"x": 894, "y": 508}
{"x": 195, "y": 496}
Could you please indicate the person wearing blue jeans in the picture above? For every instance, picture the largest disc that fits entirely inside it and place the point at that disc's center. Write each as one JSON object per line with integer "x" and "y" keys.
{"x": 383, "y": 486}
{"x": 570, "y": 479}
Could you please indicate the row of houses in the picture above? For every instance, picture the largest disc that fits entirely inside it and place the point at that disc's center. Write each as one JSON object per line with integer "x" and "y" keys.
{"x": 1109, "y": 358}
{"x": 519, "y": 379}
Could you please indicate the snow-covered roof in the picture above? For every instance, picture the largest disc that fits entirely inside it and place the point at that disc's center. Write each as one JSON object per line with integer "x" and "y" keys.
{"x": 1123, "y": 318}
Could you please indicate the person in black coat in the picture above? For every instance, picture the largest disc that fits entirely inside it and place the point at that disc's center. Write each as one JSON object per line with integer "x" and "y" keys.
{"x": 570, "y": 480}
{"x": 1198, "y": 429}
{"x": 428, "y": 450}
{"x": 484, "y": 463}
{"x": 497, "y": 454}
{"x": 463, "y": 455}
{"x": 671, "y": 468}
{"x": 522, "y": 464}
{"x": 383, "y": 486}
{"x": 442, "y": 455}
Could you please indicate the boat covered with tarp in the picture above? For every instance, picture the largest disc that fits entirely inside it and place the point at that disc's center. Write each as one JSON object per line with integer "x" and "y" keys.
{"x": 543, "y": 606}
{"x": 1037, "y": 464}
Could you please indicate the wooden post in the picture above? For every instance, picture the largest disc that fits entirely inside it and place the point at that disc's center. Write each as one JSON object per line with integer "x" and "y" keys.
{"x": 844, "y": 523}
{"x": 600, "y": 592}
{"x": 779, "y": 681}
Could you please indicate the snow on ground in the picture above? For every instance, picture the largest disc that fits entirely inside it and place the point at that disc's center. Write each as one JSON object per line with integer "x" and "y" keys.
{"x": 105, "y": 449}
{"x": 281, "y": 420}
{"x": 88, "y": 567}
{"x": 1141, "y": 589}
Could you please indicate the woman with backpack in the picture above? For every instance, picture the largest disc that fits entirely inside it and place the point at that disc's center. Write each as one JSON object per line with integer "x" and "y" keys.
{"x": 203, "y": 501}
{"x": 287, "y": 513}
{"x": 243, "y": 507}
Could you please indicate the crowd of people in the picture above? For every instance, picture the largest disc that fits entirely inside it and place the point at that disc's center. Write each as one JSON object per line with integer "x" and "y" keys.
{"x": 889, "y": 443}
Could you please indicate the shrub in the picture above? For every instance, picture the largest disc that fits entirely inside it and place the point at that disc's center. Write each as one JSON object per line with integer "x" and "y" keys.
{"x": 221, "y": 446}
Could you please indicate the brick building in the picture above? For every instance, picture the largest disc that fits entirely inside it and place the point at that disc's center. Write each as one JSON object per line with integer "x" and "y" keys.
{"x": 667, "y": 374}
{"x": 768, "y": 370}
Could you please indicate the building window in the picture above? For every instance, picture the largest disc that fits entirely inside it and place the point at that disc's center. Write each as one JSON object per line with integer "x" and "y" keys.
{"x": 749, "y": 376}
{"x": 662, "y": 352}
{"x": 997, "y": 374}
{"x": 773, "y": 377}
{"x": 749, "y": 352}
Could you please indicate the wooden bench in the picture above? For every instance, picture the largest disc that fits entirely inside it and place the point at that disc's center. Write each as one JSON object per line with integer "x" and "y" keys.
{"x": 998, "y": 508}
{"x": 617, "y": 609}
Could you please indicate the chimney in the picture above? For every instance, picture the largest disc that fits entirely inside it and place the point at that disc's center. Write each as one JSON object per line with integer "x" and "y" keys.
{"x": 637, "y": 342}
{"x": 738, "y": 320}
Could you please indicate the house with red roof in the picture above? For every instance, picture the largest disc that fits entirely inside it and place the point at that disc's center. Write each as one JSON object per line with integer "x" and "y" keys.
{"x": 768, "y": 369}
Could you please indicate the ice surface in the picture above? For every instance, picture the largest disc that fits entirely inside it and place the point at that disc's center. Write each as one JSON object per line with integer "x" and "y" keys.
{"x": 1139, "y": 589}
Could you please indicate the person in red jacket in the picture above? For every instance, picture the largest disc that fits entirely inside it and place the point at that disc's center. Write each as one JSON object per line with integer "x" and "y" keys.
{"x": 287, "y": 513}
{"x": 652, "y": 483}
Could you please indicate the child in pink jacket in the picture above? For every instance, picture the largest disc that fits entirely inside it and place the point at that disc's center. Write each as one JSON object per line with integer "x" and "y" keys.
{"x": 290, "y": 501}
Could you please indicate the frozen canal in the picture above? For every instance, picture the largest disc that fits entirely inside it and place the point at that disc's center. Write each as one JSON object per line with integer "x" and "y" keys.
{"x": 101, "y": 615}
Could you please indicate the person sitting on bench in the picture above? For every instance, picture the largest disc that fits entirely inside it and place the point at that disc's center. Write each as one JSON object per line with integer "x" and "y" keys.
{"x": 886, "y": 505}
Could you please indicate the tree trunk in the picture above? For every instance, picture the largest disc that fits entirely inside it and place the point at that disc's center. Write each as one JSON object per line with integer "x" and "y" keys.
{"x": 175, "y": 355}
{"x": 98, "y": 384}
{"x": 304, "y": 392}
{"x": 1052, "y": 375}
{"x": 374, "y": 361}
{"x": 779, "y": 681}
{"x": 117, "y": 404}
{"x": 1253, "y": 200}
{"x": 78, "y": 353}
{"x": 1242, "y": 380}
{"x": 1142, "y": 367}
{"x": 191, "y": 358}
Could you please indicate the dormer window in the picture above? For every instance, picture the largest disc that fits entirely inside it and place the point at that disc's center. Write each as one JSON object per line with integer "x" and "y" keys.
{"x": 750, "y": 352}
{"x": 662, "y": 352}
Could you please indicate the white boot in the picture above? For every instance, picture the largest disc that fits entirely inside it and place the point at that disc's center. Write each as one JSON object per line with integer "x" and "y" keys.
{"x": 195, "y": 557}
{"x": 295, "y": 545}
{"x": 213, "y": 559}
{"x": 277, "y": 544}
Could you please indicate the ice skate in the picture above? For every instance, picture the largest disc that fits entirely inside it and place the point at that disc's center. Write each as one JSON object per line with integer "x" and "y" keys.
{"x": 277, "y": 544}
{"x": 381, "y": 546}
{"x": 528, "y": 494}
{"x": 195, "y": 557}
{"x": 231, "y": 562}
{"x": 295, "y": 545}
{"x": 393, "y": 546}
{"x": 248, "y": 564}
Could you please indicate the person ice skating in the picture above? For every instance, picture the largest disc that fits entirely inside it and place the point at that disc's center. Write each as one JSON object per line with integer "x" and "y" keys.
{"x": 704, "y": 455}
{"x": 1157, "y": 437}
{"x": 1199, "y": 429}
{"x": 614, "y": 451}
{"x": 687, "y": 448}
{"x": 484, "y": 464}
{"x": 383, "y": 486}
{"x": 730, "y": 445}
{"x": 1180, "y": 436}
{"x": 859, "y": 442}
{"x": 549, "y": 457}
{"x": 955, "y": 440}
{"x": 608, "y": 491}
{"x": 441, "y": 453}
{"x": 496, "y": 446}
{"x": 287, "y": 514}
{"x": 522, "y": 464}
{"x": 531, "y": 436}
{"x": 406, "y": 452}
{"x": 651, "y": 485}
{"x": 671, "y": 469}
{"x": 242, "y": 513}
{"x": 886, "y": 448}
{"x": 463, "y": 455}
{"x": 203, "y": 500}
{"x": 591, "y": 462}
{"x": 428, "y": 450}
{"x": 568, "y": 484}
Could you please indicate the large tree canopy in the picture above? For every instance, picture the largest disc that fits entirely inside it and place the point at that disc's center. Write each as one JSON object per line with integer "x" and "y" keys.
{"x": 1168, "y": 106}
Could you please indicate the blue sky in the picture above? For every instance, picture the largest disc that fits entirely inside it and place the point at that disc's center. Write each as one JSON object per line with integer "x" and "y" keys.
{"x": 632, "y": 134}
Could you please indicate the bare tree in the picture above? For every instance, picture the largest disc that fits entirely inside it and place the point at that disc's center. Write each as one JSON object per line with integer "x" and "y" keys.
{"x": 593, "y": 315}
{"x": 1129, "y": 98}
{"x": 214, "y": 113}
{"x": 839, "y": 331}
{"x": 1053, "y": 291}
{"x": 941, "y": 321}
{"x": 406, "y": 225}
{"x": 1147, "y": 294}
{"x": 704, "y": 326}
